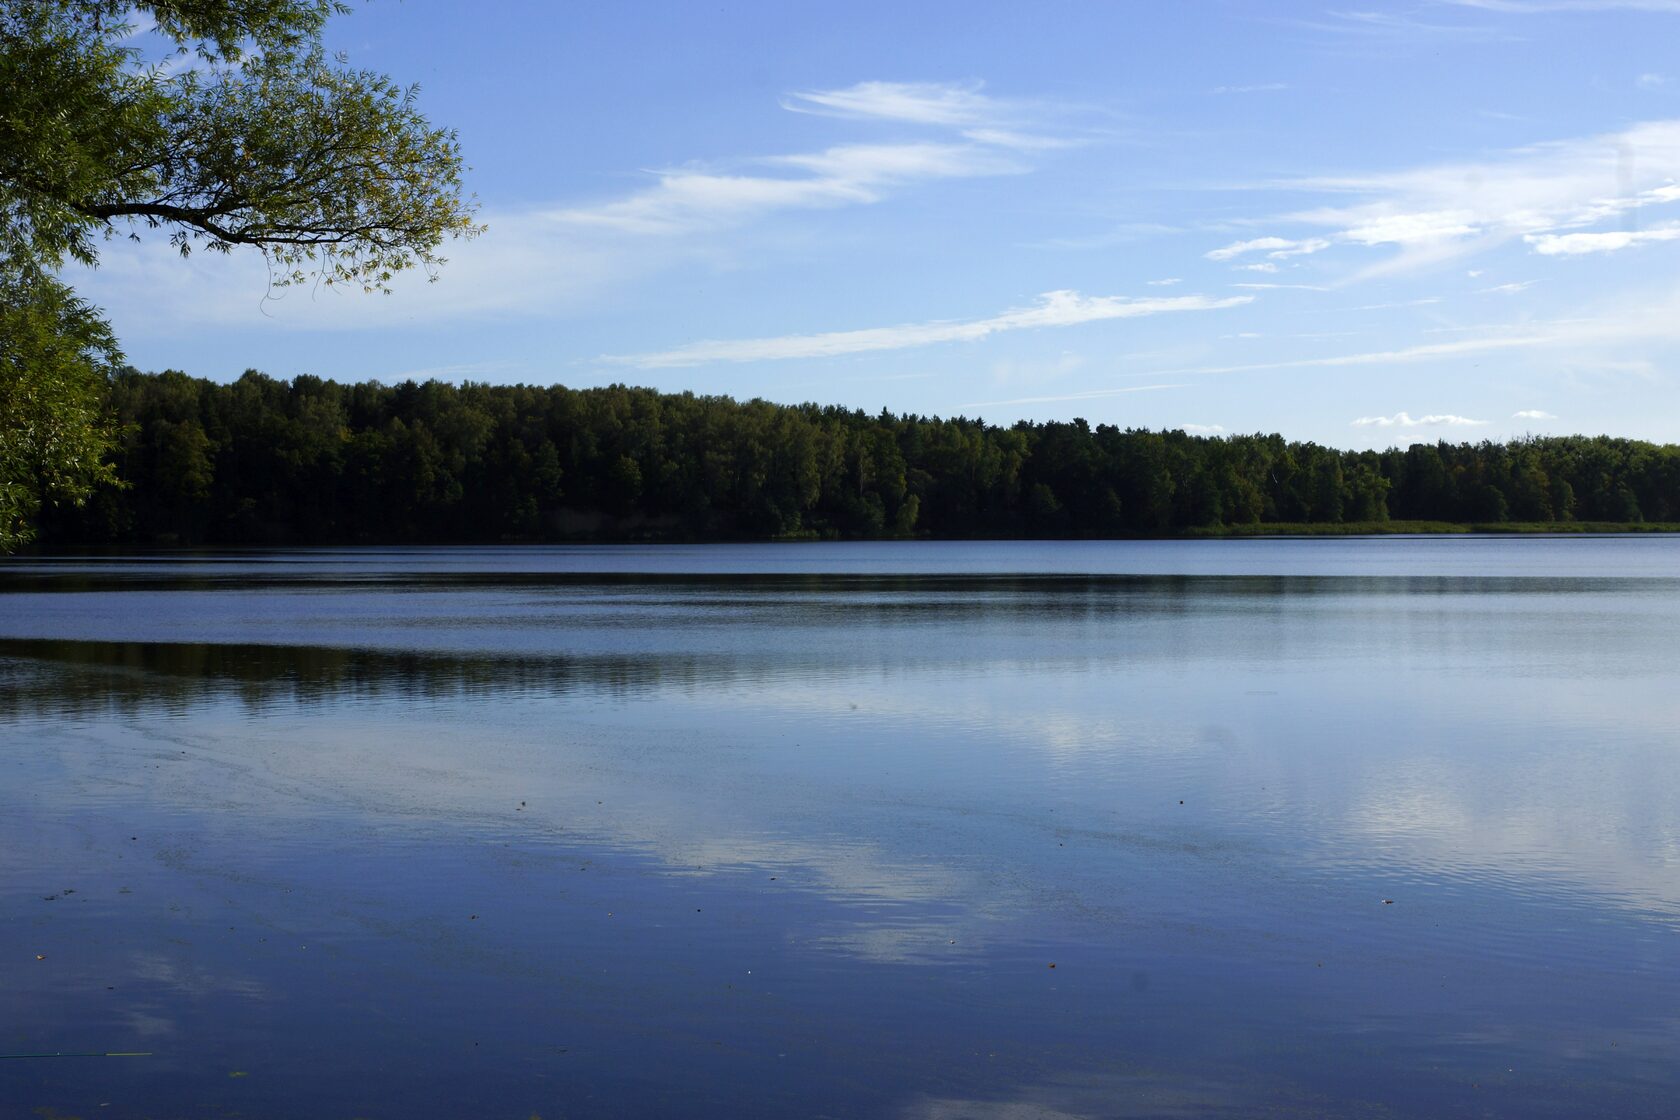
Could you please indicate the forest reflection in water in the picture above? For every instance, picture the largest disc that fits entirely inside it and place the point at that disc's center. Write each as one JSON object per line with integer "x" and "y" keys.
{"x": 436, "y": 841}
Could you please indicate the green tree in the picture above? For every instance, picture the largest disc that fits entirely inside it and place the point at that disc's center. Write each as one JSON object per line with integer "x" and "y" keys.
{"x": 55, "y": 356}
{"x": 327, "y": 171}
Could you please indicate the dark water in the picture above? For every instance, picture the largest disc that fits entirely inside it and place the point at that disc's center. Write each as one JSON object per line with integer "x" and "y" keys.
{"x": 1381, "y": 828}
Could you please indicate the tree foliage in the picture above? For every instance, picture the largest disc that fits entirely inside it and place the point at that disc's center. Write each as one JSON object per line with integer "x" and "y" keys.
{"x": 264, "y": 141}
{"x": 245, "y": 134}
{"x": 54, "y": 357}
{"x": 313, "y": 461}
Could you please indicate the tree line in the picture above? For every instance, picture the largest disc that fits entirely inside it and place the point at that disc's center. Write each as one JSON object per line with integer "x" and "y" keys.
{"x": 312, "y": 461}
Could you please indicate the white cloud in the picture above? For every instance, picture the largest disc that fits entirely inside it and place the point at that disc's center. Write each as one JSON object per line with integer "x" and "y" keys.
{"x": 1405, "y": 229}
{"x": 1053, "y": 309}
{"x": 1404, "y": 420}
{"x": 1576, "y": 244}
{"x": 1202, "y": 429}
{"x": 1263, "y": 87}
{"x": 935, "y": 103}
{"x": 684, "y": 201}
{"x": 1000, "y": 122}
{"x": 1512, "y": 288}
{"x": 983, "y": 136}
{"x": 1263, "y": 266}
{"x": 1532, "y": 414}
{"x": 1166, "y": 283}
{"x": 1278, "y": 247}
{"x": 1651, "y": 81}
{"x": 1301, "y": 248}
{"x": 1433, "y": 213}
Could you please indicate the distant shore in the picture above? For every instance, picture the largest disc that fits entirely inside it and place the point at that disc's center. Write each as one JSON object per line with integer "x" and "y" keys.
{"x": 1427, "y": 528}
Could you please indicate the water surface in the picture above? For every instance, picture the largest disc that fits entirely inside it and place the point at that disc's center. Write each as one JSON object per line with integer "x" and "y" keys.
{"x": 1335, "y": 828}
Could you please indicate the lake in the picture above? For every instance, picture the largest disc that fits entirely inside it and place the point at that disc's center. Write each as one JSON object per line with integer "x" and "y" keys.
{"x": 1293, "y": 828}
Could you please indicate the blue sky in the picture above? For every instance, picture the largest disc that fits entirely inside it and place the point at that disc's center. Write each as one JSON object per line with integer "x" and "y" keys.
{"x": 1362, "y": 226}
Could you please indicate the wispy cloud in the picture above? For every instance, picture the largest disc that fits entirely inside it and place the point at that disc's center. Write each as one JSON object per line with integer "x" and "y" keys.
{"x": 1439, "y": 212}
{"x": 1053, "y": 309}
{"x": 1202, "y": 429}
{"x": 938, "y": 103}
{"x": 1277, "y": 248}
{"x": 982, "y": 136}
{"x": 684, "y": 201}
{"x": 1512, "y": 288}
{"x": 1405, "y": 420}
{"x": 1532, "y": 414}
{"x": 1576, "y": 244}
{"x": 1262, "y": 87}
{"x": 1018, "y": 123}
{"x": 1166, "y": 282}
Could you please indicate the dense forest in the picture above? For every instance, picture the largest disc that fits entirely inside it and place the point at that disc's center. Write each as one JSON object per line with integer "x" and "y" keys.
{"x": 262, "y": 460}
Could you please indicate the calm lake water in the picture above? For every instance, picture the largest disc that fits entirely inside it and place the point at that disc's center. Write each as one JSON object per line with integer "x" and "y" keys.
{"x": 1327, "y": 828}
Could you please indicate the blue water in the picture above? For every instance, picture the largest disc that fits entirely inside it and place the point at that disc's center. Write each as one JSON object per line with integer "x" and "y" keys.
{"x": 1306, "y": 828}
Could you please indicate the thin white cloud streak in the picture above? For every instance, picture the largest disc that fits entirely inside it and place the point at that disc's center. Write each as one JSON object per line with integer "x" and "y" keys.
{"x": 1533, "y": 414}
{"x": 1278, "y": 248}
{"x": 1263, "y": 87}
{"x": 1202, "y": 429}
{"x": 935, "y": 103}
{"x": 849, "y": 175}
{"x": 1088, "y": 395}
{"x": 1404, "y": 420}
{"x": 1512, "y": 288}
{"x": 1000, "y": 122}
{"x": 1576, "y": 244}
{"x": 985, "y": 136}
{"x": 1167, "y": 282}
{"x": 1435, "y": 213}
{"x": 1053, "y": 309}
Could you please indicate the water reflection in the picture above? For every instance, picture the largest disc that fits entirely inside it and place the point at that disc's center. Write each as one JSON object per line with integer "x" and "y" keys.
{"x": 44, "y": 678}
{"x": 707, "y": 845}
